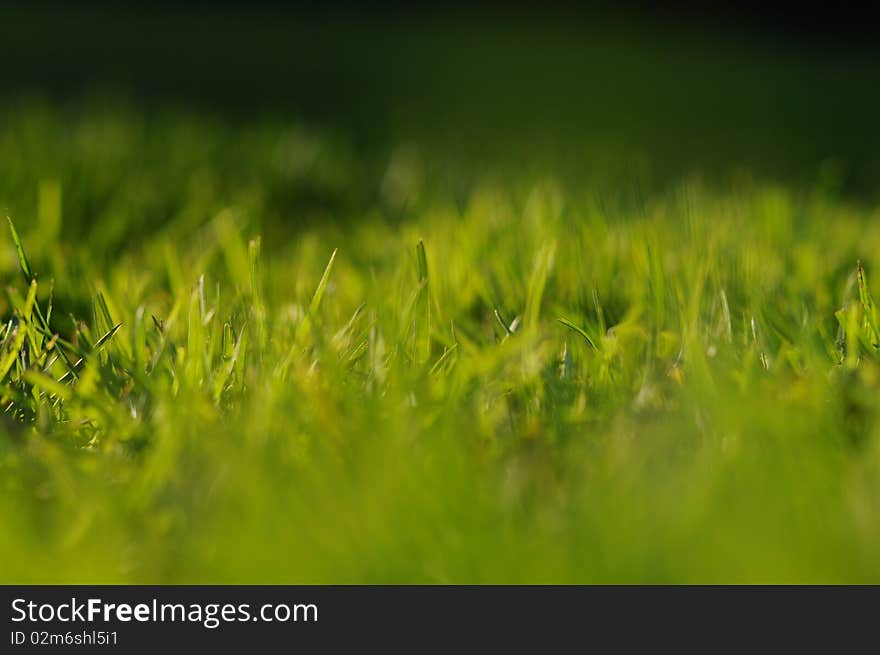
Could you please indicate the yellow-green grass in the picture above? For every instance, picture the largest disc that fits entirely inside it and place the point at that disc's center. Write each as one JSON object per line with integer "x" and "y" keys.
{"x": 518, "y": 380}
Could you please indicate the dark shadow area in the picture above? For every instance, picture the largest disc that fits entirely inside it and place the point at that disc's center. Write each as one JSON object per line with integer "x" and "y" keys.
{"x": 635, "y": 100}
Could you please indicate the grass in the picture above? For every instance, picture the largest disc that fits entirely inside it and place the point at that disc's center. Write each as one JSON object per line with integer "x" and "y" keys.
{"x": 254, "y": 349}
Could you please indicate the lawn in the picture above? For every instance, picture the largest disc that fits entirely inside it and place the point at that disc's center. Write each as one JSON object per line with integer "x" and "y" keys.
{"x": 471, "y": 333}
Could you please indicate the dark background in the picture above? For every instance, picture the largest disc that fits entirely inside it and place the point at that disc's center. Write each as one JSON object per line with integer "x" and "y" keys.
{"x": 722, "y": 89}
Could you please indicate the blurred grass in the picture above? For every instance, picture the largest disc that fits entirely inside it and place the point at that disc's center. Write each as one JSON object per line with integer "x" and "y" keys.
{"x": 502, "y": 91}
{"x": 705, "y": 411}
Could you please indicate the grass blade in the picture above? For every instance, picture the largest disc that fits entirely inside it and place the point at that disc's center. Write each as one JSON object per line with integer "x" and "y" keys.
{"x": 107, "y": 336}
{"x": 423, "y": 326}
{"x": 571, "y": 326}
{"x": 304, "y": 328}
{"x": 868, "y": 308}
{"x": 19, "y": 249}
{"x": 322, "y": 285}
{"x": 47, "y": 384}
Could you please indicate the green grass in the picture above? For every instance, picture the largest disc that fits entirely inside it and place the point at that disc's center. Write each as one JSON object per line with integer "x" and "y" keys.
{"x": 251, "y": 353}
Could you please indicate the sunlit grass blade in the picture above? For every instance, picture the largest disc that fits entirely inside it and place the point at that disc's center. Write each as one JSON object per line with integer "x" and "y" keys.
{"x": 868, "y": 308}
{"x": 579, "y": 330}
{"x": 304, "y": 328}
{"x": 19, "y": 249}
{"x": 14, "y": 351}
{"x": 47, "y": 384}
{"x": 229, "y": 366}
{"x": 423, "y": 320}
{"x": 106, "y": 337}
